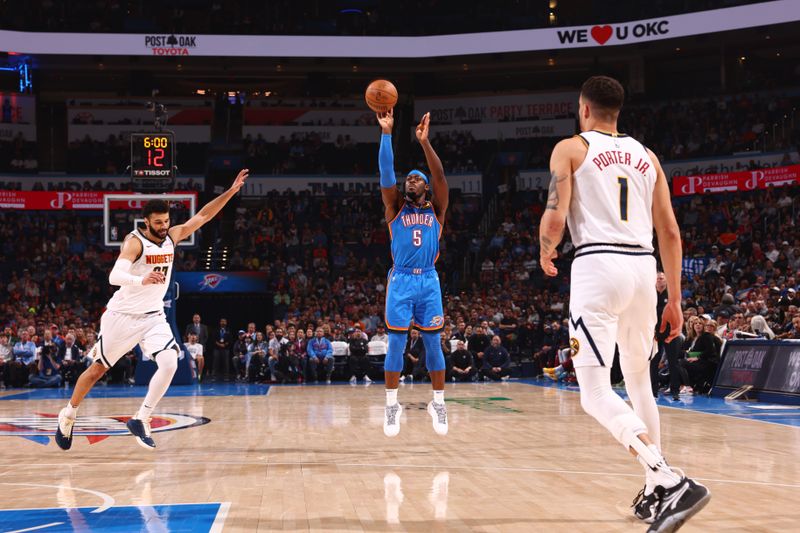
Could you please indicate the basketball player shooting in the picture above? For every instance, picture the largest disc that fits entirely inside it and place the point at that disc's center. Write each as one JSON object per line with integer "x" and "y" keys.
{"x": 135, "y": 313}
{"x": 611, "y": 192}
{"x": 413, "y": 295}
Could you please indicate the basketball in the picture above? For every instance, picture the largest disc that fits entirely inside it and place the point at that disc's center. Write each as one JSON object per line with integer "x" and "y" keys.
{"x": 381, "y": 96}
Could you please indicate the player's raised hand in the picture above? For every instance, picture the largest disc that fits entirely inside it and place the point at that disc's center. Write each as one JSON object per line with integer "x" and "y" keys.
{"x": 386, "y": 120}
{"x": 422, "y": 127}
{"x": 672, "y": 315}
{"x": 154, "y": 278}
{"x": 240, "y": 179}
{"x": 546, "y": 262}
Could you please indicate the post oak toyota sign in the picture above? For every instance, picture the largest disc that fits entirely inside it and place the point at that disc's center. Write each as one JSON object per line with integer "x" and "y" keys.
{"x": 595, "y": 35}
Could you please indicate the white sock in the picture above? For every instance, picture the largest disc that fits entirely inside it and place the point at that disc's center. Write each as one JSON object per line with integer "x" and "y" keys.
{"x": 72, "y": 412}
{"x": 391, "y": 397}
{"x": 167, "y": 364}
{"x": 438, "y": 396}
{"x": 662, "y": 474}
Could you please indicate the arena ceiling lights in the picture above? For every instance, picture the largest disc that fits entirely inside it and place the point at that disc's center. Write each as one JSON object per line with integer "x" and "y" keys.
{"x": 599, "y": 35}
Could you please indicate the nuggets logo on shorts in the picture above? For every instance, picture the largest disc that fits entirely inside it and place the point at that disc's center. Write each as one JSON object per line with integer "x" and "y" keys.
{"x": 437, "y": 321}
{"x": 574, "y": 346}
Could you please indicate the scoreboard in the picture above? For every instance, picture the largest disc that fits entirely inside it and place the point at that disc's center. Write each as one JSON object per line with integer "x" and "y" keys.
{"x": 153, "y": 156}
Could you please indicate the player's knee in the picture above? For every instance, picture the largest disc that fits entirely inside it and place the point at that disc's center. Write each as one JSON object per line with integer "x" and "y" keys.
{"x": 167, "y": 360}
{"x": 434, "y": 358}
{"x": 394, "y": 352}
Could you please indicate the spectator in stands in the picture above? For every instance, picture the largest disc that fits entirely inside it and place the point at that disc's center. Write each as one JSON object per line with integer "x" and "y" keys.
{"x": 414, "y": 366}
{"x": 25, "y": 350}
{"x": 728, "y": 332}
{"x": 70, "y": 359}
{"x": 460, "y": 332}
{"x": 276, "y": 344}
{"x": 702, "y": 356}
{"x": 287, "y": 366}
{"x": 357, "y": 359}
{"x": 197, "y": 361}
{"x": 198, "y": 328}
{"x": 297, "y": 338}
{"x": 256, "y": 358}
{"x": 320, "y": 357}
{"x": 47, "y": 374}
{"x": 496, "y": 362}
{"x": 380, "y": 335}
{"x": 760, "y": 327}
{"x": 793, "y": 332}
{"x": 477, "y": 343}
{"x": 462, "y": 367}
{"x": 444, "y": 340}
{"x": 239, "y": 356}
{"x": 5, "y": 356}
{"x": 222, "y": 347}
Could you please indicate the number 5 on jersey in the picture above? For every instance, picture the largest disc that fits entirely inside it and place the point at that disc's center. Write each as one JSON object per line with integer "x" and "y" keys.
{"x": 416, "y": 237}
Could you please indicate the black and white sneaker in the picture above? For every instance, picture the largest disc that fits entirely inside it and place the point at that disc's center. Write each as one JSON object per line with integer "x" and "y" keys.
{"x": 141, "y": 430}
{"x": 644, "y": 506}
{"x": 64, "y": 430}
{"x": 678, "y": 504}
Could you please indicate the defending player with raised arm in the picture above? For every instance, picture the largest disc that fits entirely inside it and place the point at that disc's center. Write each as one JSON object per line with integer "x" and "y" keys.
{"x": 612, "y": 193}
{"x": 135, "y": 313}
{"x": 413, "y": 293}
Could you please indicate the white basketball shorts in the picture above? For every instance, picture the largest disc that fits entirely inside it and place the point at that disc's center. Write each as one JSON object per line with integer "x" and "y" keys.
{"x": 612, "y": 305}
{"x": 120, "y": 332}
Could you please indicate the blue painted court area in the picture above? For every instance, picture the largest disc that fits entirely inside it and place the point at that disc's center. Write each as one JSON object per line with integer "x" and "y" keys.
{"x": 130, "y": 391}
{"x": 195, "y": 517}
{"x": 787, "y": 415}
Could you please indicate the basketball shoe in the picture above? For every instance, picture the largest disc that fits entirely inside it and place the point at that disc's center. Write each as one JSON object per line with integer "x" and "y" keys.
{"x": 64, "y": 430}
{"x": 678, "y": 504}
{"x": 438, "y": 413}
{"x": 391, "y": 420}
{"x": 644, "y": 506}
{"x": 141, "y": 430}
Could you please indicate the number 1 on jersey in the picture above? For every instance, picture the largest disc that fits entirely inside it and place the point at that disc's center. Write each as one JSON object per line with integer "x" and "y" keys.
{"x": 416, "y": 237}
{"x": 623, "y": 198}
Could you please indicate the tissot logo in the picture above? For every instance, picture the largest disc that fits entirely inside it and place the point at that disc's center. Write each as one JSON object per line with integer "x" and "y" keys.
{"x": 94, "y": 428}
{"x": 621, "y": 33}
{"x": 170, "y": 45}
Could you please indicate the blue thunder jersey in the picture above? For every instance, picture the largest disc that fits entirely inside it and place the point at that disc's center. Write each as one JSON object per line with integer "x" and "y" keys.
{"x": 415, "y": 233}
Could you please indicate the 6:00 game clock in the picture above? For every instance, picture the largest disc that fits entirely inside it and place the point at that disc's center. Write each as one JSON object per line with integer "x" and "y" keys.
{"x": 152, "y": 155}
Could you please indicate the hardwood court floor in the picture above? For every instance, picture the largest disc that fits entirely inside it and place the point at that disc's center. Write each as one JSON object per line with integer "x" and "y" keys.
{"x": 518, "y": 458}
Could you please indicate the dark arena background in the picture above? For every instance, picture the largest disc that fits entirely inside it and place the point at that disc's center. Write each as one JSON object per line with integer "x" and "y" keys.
{"x": 273, "y": 417}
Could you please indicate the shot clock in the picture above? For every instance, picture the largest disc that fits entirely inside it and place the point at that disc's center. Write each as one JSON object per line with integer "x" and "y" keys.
{"x": 152, "y": 155}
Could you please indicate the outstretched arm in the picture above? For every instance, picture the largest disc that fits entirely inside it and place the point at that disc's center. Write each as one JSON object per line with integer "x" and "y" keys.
{"x": 209, "y": 211}
{"x": 441, "y": 191}
{"x": 554, "y": 219}
{"x": 389, "y": 192}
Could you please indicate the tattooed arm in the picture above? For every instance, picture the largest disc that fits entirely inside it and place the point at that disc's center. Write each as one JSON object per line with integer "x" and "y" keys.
{"x": 554, "y": 219}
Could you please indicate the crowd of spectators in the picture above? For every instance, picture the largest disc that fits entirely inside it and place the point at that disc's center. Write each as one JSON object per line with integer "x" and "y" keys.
{"x": 326, "y": 260}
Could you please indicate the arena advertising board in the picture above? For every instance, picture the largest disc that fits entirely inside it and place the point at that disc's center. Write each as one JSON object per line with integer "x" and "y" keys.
{"x": 767, "y": 366}
{"x": 592, "y": 35}
{"x": 332, "y": 185}
{"x": 735, "y": 163}
{"x": 498, "y": 108}
{"x": 219, "y": 282}
{"x": 57, "y": 201}
{"x": 736, "y": 181}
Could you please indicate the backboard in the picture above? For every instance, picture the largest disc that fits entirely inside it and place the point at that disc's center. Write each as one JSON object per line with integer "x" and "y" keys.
{"x": 122, "y": 213}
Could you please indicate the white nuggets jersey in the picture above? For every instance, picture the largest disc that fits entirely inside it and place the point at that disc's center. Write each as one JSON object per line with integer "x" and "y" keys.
{"x": 141, "y": 299}
{"x": 612, "y": 194}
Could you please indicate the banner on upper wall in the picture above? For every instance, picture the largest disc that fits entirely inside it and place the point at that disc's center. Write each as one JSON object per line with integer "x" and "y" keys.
{"x": 509, "y": 130}
{"x": 592, "y": 35}
{"x": 222, "y": 282}
{"x": 736, "y": 181}
{"x": 55, "y": 201}
{"x": 327, "y": 134}
{"x": 74, "y": 183}
{"x": 734, "y": 163}
{"x": 497, "y": 108}
{"x": 532, "y": 180}
{"x": 276, "y": 115}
